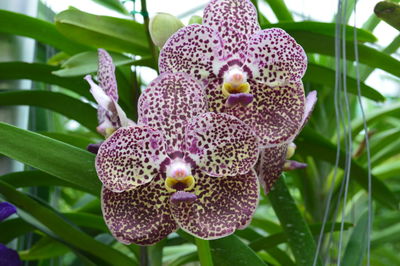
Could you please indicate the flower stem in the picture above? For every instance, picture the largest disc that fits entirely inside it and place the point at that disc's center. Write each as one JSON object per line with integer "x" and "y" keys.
{"x": 146, "y": 19}
{"x": 203, "y": 248}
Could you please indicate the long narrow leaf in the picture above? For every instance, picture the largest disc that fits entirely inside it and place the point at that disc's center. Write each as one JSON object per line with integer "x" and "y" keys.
{"x": 311, "y": 143}
{"x": 62, "y": 228}
{"x": 43, "y": 31}
{"x": 299, "y": 235}
{"x": 43, "y": 73}
{"x": 327, "y": 29}
{"x": 66, "y": 105}
{"x": 115, "y": 34}
{"x": 319, "y": 74}
{"x": 51, "y": 156}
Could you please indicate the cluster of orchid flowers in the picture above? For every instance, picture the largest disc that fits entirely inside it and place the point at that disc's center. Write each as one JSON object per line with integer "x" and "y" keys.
{"x": 218, "y": 121}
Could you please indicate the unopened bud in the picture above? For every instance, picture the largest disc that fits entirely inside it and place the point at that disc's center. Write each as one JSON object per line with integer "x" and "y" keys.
{"x": 195, "y": 20}
{"x": 162, "y": 26}
{"x": 290, "y": 151}
{"x": 293, "y": 165}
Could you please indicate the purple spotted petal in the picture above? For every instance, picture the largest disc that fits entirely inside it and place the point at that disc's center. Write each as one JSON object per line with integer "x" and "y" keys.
{"x": 275, "y": 58}
{"x": 130, "y": 157}
{"x": 221, "y": 144}
{"x": 223, "y": 205}
{"x": 106, "y": 74}
{"x": 235, "y": 21}
{"x": 195, "y": 50}
{"x": 275, "y": 114}
{"x": 6, "y": 209}
{"x": 141, "y": 216}
{"x": 270, "y": 165}
{"x": 168, "y": 103}
{"x": 9, "y": 257}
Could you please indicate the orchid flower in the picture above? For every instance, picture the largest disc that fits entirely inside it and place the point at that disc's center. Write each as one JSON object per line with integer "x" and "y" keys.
{"x": 274, "y": 160}
{"x": 8, "y": 256}
{"x": 6, "y": 209}
{"x": 109, "y": 114}
{"x": 250, "y": 73}
{"x": 179, "y": 167}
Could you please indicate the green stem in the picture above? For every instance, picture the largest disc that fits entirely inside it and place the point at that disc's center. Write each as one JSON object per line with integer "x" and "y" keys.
{"x": 152, "y": 47}
{"x": 203, "y": 249}
{"x": 299, "y": 235}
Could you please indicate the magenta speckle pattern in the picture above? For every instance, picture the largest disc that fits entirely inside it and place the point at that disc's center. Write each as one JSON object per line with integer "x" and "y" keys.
{"x": 236, "y": 21}
{"x": 106, "y": 74}
{"x": 107, "y": 81}
{"x": 277, "y": 115}
{"x": 271, "y": 59}
{"x": 168, "y": 103}
{"x": 275, "y": 58}
{"x": 194, "y": 49}
{"x": 222, "y": 144}
{"x": 270, "y": 165}
{"x": 223, "y": 205}
{"x": 130, "y": 157}
{"x": 140, "y": 216}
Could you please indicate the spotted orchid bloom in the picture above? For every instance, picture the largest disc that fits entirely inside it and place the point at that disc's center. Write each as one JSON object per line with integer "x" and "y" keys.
{"x": 179, "y": 167}
{"x": 274, "y": 160}
{"x": 109, "y": 114}
{"x": 250, "y": 73}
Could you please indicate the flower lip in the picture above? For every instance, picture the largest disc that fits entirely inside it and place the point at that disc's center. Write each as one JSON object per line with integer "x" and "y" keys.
{"x": 243, "y": 99}
{"x": 182, "y": 196}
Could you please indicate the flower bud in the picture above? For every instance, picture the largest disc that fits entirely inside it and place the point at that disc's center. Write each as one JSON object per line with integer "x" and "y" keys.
{"x": 162, "y": 26}
{"x": 290, "y": 151}
{"x": 195, "y": 20}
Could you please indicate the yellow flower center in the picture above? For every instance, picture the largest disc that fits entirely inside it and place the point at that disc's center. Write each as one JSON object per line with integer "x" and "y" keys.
{"x": 172, "y": 184}
{"x": 179, "y": 176}
{"x": 235, "y": 82}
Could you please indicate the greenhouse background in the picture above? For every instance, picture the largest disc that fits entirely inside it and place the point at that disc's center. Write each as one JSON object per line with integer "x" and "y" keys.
{"x": 342, "y": 209}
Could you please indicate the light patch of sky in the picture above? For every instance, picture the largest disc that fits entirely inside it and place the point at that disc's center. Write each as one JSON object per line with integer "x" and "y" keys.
{"x": 315, "y": 10}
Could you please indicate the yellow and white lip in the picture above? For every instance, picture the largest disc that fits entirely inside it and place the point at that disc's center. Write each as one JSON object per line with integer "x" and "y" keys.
{"x": 179, "y": 174}
{"x": 235, "y": 81}
{"x": 187, "y": 182}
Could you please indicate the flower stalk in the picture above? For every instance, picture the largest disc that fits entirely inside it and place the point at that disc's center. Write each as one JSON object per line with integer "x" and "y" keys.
{"x": 203, "y": 249}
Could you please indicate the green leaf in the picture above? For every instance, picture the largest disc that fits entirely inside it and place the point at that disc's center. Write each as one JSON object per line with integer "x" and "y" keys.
{"x": 185, "y": 259}
{"x": 390, "y": 110}
{"x": 280, "y": 10}
{"x": 311, "y": 143}
{"x": 45, "y": 248}
{"x": 51, "y": 156}
{"x": 387, "y": 170}
{"x": 274, "y": 240}
{"x": 300, "y": 239}
{"x": 357, "y": 244}
{"x": 43, "y": 73}
{"x": 70, "y": 138}
{"x": 113, "y": 4}
{"x": 230, "y": 250}
{"x": 12, "y": 228}
{"x": 326, "y": 29}
{"x": 63, "y": 229}
{"x": 323, "y": 44}
{"x": 388, "y": 235}
{"x": 86, "y": 62}
{"x": 35, "y": 178}
{"x": 81, "y": 112}
{"x": 115, "y": 34}
{"x": 40, "y": 30}
{"x": 319, "y": 74}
